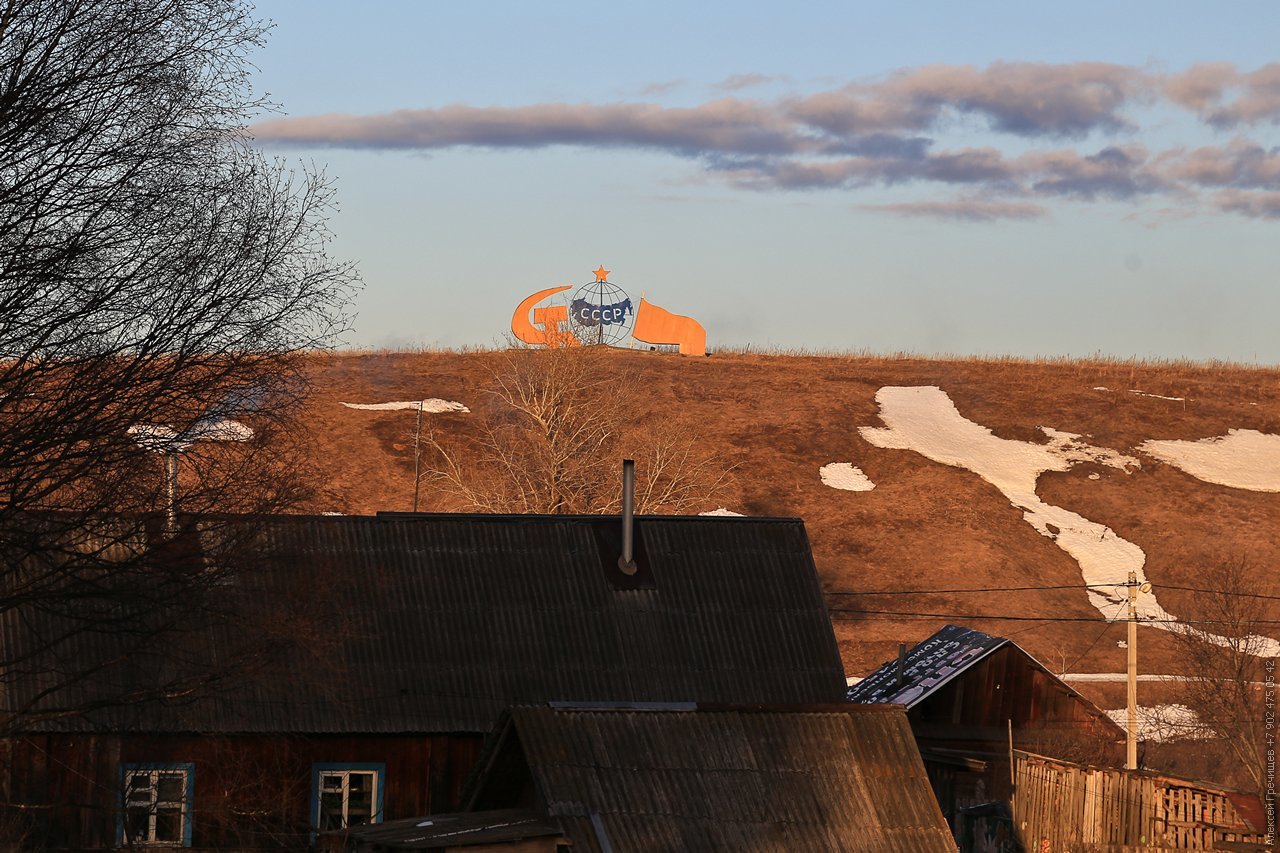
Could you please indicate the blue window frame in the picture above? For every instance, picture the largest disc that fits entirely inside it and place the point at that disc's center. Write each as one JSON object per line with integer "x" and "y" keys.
{"x": 155, "y": 804}
{"x": 346, "y": 794}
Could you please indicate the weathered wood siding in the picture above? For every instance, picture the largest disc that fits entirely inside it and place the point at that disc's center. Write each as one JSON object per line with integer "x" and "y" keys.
{"x": 251, "y": 792}
{"x": 1004, "y": 686}
{"x": 1060, "y": 806}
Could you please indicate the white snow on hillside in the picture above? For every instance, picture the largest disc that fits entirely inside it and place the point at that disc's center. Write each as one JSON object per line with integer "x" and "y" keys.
{"x": 1144, "y": 394}
{"x": 434, "y": 406}
{"x": 161, "y": 438}
{"x": 1161, "y": 723}
{"x": 1242, "y": 459}
{"x": 846, "y": 476}
{"x": 722, "y": 511}
{"x": 924, "y": 419}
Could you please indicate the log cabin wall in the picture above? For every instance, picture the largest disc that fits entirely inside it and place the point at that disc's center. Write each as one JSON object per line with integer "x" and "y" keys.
{"x": 249, "y": 792}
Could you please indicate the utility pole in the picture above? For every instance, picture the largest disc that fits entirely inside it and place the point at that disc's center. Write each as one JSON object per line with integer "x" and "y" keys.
{"x": 171, "y": 492}
{"x": 417, "y": 455}
{"x": 1131, "y": 756}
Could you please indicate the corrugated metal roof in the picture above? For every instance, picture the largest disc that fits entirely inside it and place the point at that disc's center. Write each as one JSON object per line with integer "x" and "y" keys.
{"x": 450, "y": 830}
{"x": 936, "y": 661}
{"x": 931, "y": 664}
{"x": 731, "y": 780}
{"x": 447, "y": 619}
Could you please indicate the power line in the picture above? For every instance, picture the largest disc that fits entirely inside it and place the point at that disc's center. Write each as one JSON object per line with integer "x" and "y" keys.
{"x": 1008, "y": 618}
{"x": 1119, "y": 584}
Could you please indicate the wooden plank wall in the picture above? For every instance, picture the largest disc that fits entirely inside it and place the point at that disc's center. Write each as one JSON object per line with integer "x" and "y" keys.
{"x": 1060, "y": 806}
{"x": 251, "y": 792}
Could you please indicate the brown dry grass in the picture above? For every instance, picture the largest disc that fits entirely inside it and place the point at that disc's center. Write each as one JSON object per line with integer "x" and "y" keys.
{"x": 781, "y": 417}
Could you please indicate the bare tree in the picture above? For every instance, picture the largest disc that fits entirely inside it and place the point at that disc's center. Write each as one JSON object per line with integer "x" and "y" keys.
{"x": 1226, "y": 673}
{"x": 161, "y": 283}
{"x": 558, "y": 421}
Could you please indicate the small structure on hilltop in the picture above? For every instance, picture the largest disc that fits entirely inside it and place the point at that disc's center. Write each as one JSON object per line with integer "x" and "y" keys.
{"x": 970, "y": 698}
{"x": 670, "y": 778}
{"x": 601, "y": 313}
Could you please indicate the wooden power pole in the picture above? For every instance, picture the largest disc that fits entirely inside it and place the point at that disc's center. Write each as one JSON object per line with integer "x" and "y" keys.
{"x": 1131, "y": 755}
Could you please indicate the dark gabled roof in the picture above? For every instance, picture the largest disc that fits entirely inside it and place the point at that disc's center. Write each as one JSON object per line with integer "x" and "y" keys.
{"x": 448, "y": 619}
{"x": 439, "y": 831}
{"x": 938, "y": 660}
{"x": 841, "y": 779}
{"x": 931, "y": 664}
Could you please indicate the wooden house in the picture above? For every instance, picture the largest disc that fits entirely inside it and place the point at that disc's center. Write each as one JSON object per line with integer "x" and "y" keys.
{"x": 664, "y": 778}
{"x": 445, "y": 621}
{"x": 971, "y": 698}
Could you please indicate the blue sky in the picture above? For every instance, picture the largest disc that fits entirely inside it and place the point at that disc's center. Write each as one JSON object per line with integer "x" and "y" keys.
{"x": 1004, "y": 179}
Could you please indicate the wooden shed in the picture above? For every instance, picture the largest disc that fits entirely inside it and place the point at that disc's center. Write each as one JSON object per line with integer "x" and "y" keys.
{"x": 967, "y": 695}
{"x": 445, "y": 621}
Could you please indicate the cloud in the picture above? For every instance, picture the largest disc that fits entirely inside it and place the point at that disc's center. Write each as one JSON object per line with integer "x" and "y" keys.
{"x": 661, "y": 87}
{"x": 1114, "y": 172}
{"x": 892, "y": 131}
{"x": 1240, "y": 163}
{"x": 737, "y": 82}
{"x": 1022, "y": 98}
{"x": 962, "y": 210}
{"x": 1255, "y": 205}
{"x": 1224, "y": 97}
{"x": 727, "y": 125}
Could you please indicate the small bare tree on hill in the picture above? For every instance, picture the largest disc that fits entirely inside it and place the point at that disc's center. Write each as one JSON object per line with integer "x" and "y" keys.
{"x": 560, "y": 420}
{"x": 1225, "y": 678}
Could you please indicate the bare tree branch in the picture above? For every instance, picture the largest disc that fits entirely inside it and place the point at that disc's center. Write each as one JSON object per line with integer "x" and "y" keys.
{"x": 559, "y": 420}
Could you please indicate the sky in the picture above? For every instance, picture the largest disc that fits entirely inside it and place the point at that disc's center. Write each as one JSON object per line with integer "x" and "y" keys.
{"x": 1001, "y": 178}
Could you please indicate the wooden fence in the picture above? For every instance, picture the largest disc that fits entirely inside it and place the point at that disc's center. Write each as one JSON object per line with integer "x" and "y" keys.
{"x": 1059, "y": 806}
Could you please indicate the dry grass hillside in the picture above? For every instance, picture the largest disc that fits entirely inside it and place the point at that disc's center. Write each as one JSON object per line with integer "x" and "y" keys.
{"x": 925, "y": 526}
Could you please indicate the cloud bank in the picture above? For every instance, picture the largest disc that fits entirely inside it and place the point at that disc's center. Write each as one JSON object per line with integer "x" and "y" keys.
{"x": 1074, "y": 122}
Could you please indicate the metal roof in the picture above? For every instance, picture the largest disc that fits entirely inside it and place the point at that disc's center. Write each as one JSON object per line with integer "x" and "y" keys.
{"x": 449, "y": 830}
{"x": 447, "y": 619}
{"x": 848, "y": 779}
{"x": 930, "y": 665}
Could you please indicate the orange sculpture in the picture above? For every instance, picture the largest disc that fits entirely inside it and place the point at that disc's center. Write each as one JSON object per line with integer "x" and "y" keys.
{"x": 550, "y": 318}
{"x": 656, "y": 325}
{"x": 652, "y": 325}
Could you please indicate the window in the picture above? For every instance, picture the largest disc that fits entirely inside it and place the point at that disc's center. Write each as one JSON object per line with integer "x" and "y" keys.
{"x": 157, "y": 804}
{"x": 346, "y": 795}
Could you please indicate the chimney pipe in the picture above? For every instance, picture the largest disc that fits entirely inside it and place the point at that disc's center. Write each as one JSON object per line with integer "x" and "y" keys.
{"x": 627, "y": 561}
{"x": 902, "y": 664}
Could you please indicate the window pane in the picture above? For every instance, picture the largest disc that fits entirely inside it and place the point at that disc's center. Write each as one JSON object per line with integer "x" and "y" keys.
{"x": 169, "y": 788}
{"x": 361, "y": 781}
{"x": 168, "y": 825}
{"x": 137, "y": 825}
{"x": 331, "y": 811}
{"x": 359, "y": 807}
{"x": 331, "y": 782}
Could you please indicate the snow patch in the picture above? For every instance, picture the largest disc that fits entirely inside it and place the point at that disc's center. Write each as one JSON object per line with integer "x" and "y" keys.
{"x": 1241, "y": 459}
{"x": 434, "y": 406}
{"x": 161, "y": 438}
{"x": 722, "y": 511}
{"x": 925, "y": 420}
{"x": 1144, "y": 394}
{"x": 1162, "y": 723}
{"x": 846, "y": 476}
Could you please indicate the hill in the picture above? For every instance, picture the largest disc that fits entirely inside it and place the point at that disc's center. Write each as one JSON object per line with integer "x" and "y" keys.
{"x": 992, "y": 475}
